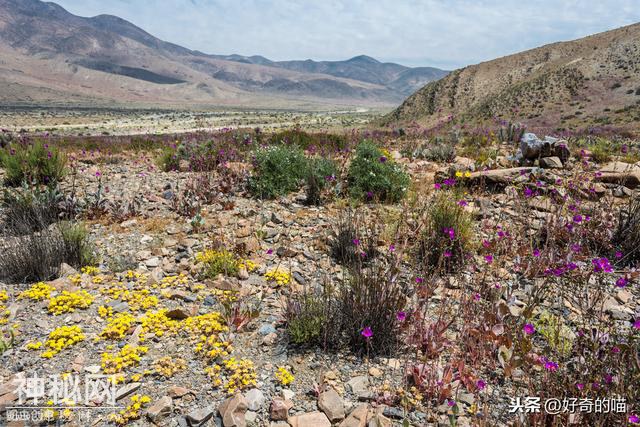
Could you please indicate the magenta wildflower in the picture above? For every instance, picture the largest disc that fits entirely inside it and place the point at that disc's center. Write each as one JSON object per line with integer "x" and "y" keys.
{"x": 536, "y": 253}
{"x": 451, "y": 232}
{"x": 447, "y": 254}
{"x": 577, "y": 218}
{"x": 419, "y": 280}
{"x": 488, "y": 259}
{"x": 580, "y": 386}
{"x": 451, "y": 402}
{"x": 401, "y": 316}
{"x": 576, "y": 248}
{"x": 622, "y": 282}
{"x": 383, "y": 159}
{"x": 615, "y": 349}
{"x": 601, "y": 264}
{"x": 618, "y": 254}
{"x": 462, "y": 203}
{"x": 528, "y": 192}
{"x": 551, "y": 366}
{"x": 476, "y": 296}
{"x": 481, "y": 384}
{"x": 634, "y": 419}
{"x": 367, "y": 332}
{"x": 437, "y": 186}
{"x": 98, "y": 174}
{"x": 529, "y": 329}
{"x": 269, "y": 251}
{"x": 486, "y": 243}
{"x": 636, "y": 324}
{"x": 392, "y": 248}
{"x": 356, "y": 241}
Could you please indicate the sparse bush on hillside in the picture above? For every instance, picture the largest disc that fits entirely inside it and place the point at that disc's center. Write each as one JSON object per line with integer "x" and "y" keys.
{"x": 374, "y": 176}
{"x": 278, "y": 170}
{"x": 443, "y": 153}
{"x": 352, "y": 242}
{"x": 446, "y": 239}
{"x": 32, "y": 162}
{"x": 320, "y": 172}
{"x": 626, "y": 236}
{"x": 29, "y": 209}
{"x": 38, "y": 256}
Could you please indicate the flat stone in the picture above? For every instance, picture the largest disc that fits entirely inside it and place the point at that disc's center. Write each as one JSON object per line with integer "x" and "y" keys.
{"x": 160, "y": 409}
{"x": 279, "y": 409}
{"x": 357, "y": 417}
{"x": 255, "y": 399}
{"x": 311, "y": 419}
{"x": 233, "y": 410}
{"x": 358, "y": 385}
{"x": 200, "y": 416}
{"x": 177, "y": 391}
{"x": 331, "y": 404}
{"x": 127, "y": 389}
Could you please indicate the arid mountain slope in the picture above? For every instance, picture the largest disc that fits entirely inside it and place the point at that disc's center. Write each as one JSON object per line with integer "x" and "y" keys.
{"x": 594, "y": 81}
{"x": 48, "y": 55}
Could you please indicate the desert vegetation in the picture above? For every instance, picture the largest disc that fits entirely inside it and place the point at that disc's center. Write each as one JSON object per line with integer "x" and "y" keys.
{"x": 401, "y": 276}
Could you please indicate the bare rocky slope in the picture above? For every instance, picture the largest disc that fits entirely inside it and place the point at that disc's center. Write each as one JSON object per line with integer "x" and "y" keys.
{"x": 50, "y": 56}
{"x": 593, "y": 81}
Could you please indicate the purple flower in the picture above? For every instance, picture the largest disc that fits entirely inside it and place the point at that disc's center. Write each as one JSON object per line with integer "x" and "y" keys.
{"x": 98, "y": 174}
{"x": 576, "y": 248}
{"x": 462, "y": 203}
{"x": 580, "y": 386}
{"x": 529, "y": 329}
{"x": 269, "y": 251}
{"x": 392, "y": 248}
{"x": 401, "y": 316}
{"x": 618, "y": 254}
{"x": 622, "y": 282}
{"x": 383, "y": 159}
{"x": 449, "y": 181}
{"x": 367, "y": 333}
{"x": 447, "y": 254}
{"x": 451, "y": 403}
{"x": 437, "y": 186}
{"x": 356, "y": 241}
{"x": 528, "y": 192}
{"x": 369, "y": 195}
{"x": 601, "y": 264}
{"x": 488, "y": 259}
{"x": 451, "y": 232}
{"x": 634, "y": 419}
{"x": 481, "y": 384}
{"x": 536, "y": 253}
{"x": 476, "y": 296}
{"x": 551, "y": 366}
{"x": 577, "y": 218}
{"x": 636, "y": 324}
{"x": 419, "y": 280}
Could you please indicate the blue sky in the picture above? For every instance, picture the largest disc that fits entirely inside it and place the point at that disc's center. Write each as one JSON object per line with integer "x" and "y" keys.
{"x": 442, "y": 33}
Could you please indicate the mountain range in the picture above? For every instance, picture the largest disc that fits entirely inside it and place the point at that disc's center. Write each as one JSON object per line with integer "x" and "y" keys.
{"x": 49, "y": 56}
{"x": 575, "y": 85}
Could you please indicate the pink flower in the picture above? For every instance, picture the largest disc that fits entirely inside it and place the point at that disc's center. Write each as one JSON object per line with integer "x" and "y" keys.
{"x": 367, "y": 333}
{"x": 481, "y": 384}
{"x": 477, "y": 296}
{"x": 269, "y": 251}
{"x": 401, "y": 316}
{"x": 98, "y": 174}
{"x": 601, "y": 264}
{"x": 536, "y": 253}
{"x": 462, "y": 203}
{"x": 392, "y": 248}
{"x": 529, "y": 329}
{"x": 634, "y": 419}
{"x": 451, "y": 402}
{"x": 437, "y": 186}
{"x": 580, "y": 386}
{"x": 419, "y": 280}
{"x": 618, "y": 254}
{"x": 356, "y": 242}
{"x": 551, "y": 366}
{"x": 447, "y": 254}
{"x": 636, "y": 324}
{"x": 488, "y": 259}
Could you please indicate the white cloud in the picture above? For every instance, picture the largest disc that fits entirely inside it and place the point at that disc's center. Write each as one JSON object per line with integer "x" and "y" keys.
{"x": 445, "y": 33}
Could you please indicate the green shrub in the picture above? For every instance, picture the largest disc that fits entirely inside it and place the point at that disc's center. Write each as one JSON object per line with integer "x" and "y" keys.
{"x": 374, "y": 176}
{"x": 278, "y": 170}
{"x": 442, "y": 153}
{"x": 320, "y": 172}
{"x": 169, "y": 160}
{"x": 446, "y": 239}
{"x": 294, "y": 136}
{"x": 78, "y": 248}
{"x": 34, "y": 163}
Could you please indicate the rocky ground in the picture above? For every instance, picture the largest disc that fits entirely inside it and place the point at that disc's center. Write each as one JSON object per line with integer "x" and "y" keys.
{"x": 149, "y": 264}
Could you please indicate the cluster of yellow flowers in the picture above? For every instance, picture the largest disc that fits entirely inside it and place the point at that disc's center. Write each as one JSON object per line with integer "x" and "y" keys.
{"x": 218, "y": 262}
{"x": 409, "y": 399}
{"x": 117, "y": 326}
{"x": 174, "y": 281}
{"x": 4, "y": 312}
{"x": 206, "y": 324}
{"x": 133, "y": 411}
{"x": 137, "y": 299}
{"x": 61, "y": 338}
{"x": 90, "y": 270}
{"x": 278, "y": 275}
{"x": 105, "y": 311}
{"x": 68, "y": 302}
{"x": 34, "y": 345}
{"x": 128, "y": 356}
{"x": 158, "y": 323}
{"x": 242, "y": 374}
{"x": 248, "y": 265}
{"x": 212, "y": 347}
{"x": 38, "y": 292}
{"x": 168, "y": 366}
{"x": 284, "y": 377}
{"x": 460, "y": 174}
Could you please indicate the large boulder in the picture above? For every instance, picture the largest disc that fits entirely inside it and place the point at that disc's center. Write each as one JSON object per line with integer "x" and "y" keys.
{"x": 532, "y": 148}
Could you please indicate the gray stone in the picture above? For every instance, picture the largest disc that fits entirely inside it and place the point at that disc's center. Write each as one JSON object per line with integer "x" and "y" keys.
{"x": 160, "y": 409}
{"x": 233, "y": 410}
{"x": 358, "y": 385}
{"x": 551, "y": 163}
{"x": 255, "y": 399}
{"x": 331, "y": 404}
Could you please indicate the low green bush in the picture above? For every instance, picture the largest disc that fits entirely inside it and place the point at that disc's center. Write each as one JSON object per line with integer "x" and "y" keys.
{"x": 32, "y": 162}
{"x": 278, "y": 170}
{"x": 374, "y": 176}
{"x": 320, "y": 172}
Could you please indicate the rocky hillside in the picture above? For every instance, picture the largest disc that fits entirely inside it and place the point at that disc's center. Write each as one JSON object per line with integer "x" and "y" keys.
{"x": 48, "y": 55}
{"x": 594, "y": 81}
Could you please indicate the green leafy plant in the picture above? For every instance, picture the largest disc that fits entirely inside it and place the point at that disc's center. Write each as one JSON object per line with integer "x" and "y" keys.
{"x": 278, "y": 171}
{"x": 373, "y": 175}
{"x": 32, "y": 162}
{"x": 320, "y": 172}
